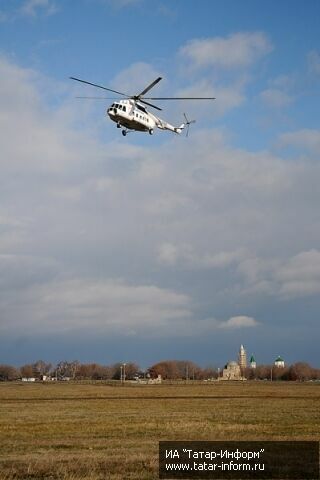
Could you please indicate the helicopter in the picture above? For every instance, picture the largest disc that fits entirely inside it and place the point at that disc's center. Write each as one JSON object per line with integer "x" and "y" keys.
{"x": 131, "y": 113}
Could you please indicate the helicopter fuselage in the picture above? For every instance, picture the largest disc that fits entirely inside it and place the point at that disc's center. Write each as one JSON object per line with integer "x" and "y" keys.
{"x": 129, "y": 114}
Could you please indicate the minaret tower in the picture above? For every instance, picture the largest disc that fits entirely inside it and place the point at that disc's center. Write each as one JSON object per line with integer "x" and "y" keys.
{"x": 242, "y": 358}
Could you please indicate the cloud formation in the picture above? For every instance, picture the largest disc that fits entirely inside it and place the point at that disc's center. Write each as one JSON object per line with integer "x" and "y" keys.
{"x": 294, "y": 277}
{"x": 104, "y": 307}
{"x": 142, "y": 238}
{"x": 238, "y": 50}
{"x": 32, "y": 8}
{"x": 276, "y": 98}
{"x": 238, "y": 322}
{"x": 313, "y": 59}
{"x": 169, "y": 254}
{"x": 306, "y": 139}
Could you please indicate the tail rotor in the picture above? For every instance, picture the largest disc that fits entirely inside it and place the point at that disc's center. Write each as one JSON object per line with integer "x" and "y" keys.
{"x": 187, "y": 124}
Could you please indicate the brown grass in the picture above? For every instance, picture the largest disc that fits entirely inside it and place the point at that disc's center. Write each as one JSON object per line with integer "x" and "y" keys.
{"x": 73, "y": 432}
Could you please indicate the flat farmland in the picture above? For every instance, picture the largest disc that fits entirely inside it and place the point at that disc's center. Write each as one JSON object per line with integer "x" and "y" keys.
{"x": 73, "y": 431}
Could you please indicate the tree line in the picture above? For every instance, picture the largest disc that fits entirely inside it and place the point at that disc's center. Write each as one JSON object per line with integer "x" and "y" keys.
{"x": 169, "y": 370}
{"x": 299, "y": 371}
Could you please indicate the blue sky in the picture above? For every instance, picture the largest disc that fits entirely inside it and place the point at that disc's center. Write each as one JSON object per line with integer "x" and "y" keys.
{"x": 149, "y": 248}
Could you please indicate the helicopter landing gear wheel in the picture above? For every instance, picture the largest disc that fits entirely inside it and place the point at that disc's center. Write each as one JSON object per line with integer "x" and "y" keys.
{"x": 118, "y": 125}
{"x": 151, "y": 131}
{"x": 124, "y": 133}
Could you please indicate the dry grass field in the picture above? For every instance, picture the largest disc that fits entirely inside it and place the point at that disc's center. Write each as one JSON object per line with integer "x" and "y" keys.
{"x": 98, "y": 431}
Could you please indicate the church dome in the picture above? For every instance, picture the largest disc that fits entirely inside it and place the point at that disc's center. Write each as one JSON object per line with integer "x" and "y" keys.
{"x": 232, "y": 364}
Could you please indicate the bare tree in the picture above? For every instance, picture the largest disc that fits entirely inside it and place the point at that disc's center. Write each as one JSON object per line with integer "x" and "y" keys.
{"x": 67, "y": 369}
{"x": 94, "y": 371}
{"x": 8, "y": 373}
{"x": 26, "y": 371}
{"x": 208, "y": 372}
{"x": 41, "y": 368}
{"x": 300, "y": 371}
{"x": 130, "y": 370}
{"x": 167, "y": 369}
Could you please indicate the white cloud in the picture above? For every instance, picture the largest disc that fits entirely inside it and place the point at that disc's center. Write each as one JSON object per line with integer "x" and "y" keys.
{"x": 229, "y": 59}
{"x": 283, "y": 82}
{"x": 307, "y": 139}
{"x": 235, "y": 51}
{"x": 44, "y": 138}
{"x": 168, "y": 254}
{"x": 240, "y": 321}
{"x": 226, "y": 97}
{"x": 135, "y": 78}
{"x": 313, "y": 59}
{"x": 105, "y": 306}
{"x": 276, "y": 98}
{"x": 186, "y": 256}
{"x": 300, "y": 275}
{"x": 19, "y": 272}
{"x": 294, "y": 277}
{"x": 220, "y": 216}
{"x": 32, "y": 8}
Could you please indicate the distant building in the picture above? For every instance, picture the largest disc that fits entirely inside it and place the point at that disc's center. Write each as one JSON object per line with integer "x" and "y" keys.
{"x": 279, "y": 362}
{"x": 242, "y": 358}
{"x": 148, "y": 380}
{"x": 232, "y": 371}
{"x": 253, "y": 363}
{"x": 48, "y": 378}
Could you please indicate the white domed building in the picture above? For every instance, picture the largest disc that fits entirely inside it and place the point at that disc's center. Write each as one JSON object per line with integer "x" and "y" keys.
{"x": 232, "y": 371}
{"x": 279, "y": 362}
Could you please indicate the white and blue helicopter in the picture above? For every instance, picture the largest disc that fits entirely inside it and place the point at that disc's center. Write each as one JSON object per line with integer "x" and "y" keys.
{"x": 131, "y": 114}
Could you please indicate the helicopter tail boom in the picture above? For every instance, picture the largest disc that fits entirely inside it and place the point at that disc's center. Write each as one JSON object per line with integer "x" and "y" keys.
{"x": 167, "y": 126}
{"x": 179, "y": 129}
{"x": 184, "y": 125}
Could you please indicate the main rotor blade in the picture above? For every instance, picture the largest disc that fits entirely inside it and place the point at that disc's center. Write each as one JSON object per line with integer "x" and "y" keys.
{"x": 157, "y": 80}
{"x": 99, "y": 86}
{"x": 150, "y": 104}
{"x": 180, "y": 98}
{"x": 100, "y": 98}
